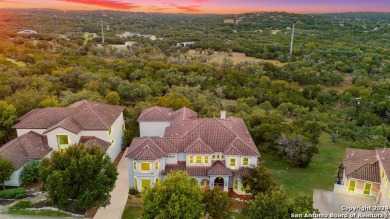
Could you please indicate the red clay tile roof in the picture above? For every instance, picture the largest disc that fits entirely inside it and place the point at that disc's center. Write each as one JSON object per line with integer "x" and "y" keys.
{"x": 91, "y": 141}
{"x": 384, "y": 158}
{"x": 367, "y": 172}
{"x": 30, "y": 146}
{"x": 198, "y": 146}
{"x": 82, "y": 115}
{"x": 216, "y": 135}
{"x": 156, "y": 113}
{"x": 361, "y": 164}
{"x": 242, "y": 171}
{"x": 146, "y": 149}
{"x": 218, "y": 169}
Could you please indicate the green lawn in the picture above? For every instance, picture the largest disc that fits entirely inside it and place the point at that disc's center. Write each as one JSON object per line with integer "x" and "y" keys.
{"x": 132, "y": 212}
{"x": 320, "y": 174}
{"x": 37, "y": 212}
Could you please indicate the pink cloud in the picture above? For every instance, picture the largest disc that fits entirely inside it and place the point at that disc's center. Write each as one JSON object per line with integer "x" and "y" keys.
{"x": 189, "y": 8}
{"x": 105, "y": 3}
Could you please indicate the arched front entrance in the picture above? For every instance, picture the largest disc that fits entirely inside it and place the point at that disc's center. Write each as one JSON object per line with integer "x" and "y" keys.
{"x": 219, "y": 182}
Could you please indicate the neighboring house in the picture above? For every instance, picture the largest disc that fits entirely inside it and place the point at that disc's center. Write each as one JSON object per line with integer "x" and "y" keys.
{"x": 214, "y": 151}
{"x": 366, "y": 173}
{"x": 27, "y": 32}
{"x": 130, "y": 43}
{"x": 132, "y": 34}
{"x": 49, "y": 129}
{"x": 183, "y": 44}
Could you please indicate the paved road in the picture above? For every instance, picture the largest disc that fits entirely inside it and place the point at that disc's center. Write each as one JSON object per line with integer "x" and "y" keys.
{"x": 119, "y": 194}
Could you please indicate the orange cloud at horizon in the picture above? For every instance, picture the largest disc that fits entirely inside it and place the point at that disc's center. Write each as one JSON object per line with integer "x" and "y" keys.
{"x": 206, "y": 6}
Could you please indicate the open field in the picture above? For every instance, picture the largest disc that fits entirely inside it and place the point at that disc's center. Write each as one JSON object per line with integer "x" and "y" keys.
{"x": 218, "y": 57}
{"x": 320, "y": 174}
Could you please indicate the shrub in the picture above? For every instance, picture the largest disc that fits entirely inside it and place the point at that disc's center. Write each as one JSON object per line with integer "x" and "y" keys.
{"x": 30, "y": 173}
{"x": 22, "y": 205}
{"x": 133, "y": 191}
{"x": 13, "y": 193}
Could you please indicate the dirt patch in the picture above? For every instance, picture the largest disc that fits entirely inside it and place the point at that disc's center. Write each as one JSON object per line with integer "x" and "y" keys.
{"x": 236, "y": 57}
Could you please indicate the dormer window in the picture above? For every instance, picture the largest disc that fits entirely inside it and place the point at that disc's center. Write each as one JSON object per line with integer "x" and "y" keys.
{"x": 191, "y": 159}
{"x": 206, "y": 159}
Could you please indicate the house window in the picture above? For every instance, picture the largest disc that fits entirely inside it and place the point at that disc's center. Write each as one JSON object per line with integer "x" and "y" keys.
{"x": 232, "y": 162}
{"x": 191, "y": 159}
{"x": 245, "y": 161}
{"x": 213, "y": 156}
{"x": 367, "y": 189}
{"x": 222, "y": 156}
{"x": 135, "y": 183}
{"x": 145, "y": 166}
{"x": 352, "y": 184}
{"x": 156, "y": 165}
{"x": 218, "y": 156}
{"x": 109, "y": 131}
{"x": 198, "y": 159}
{"x": 236, "y": 184}
{"x": 206, "y": 159}
{"x": 63, "y": 139}
{"x": 135, "y": 165}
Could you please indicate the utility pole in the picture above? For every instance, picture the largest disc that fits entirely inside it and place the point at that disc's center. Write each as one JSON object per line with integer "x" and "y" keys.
{"x": 101, "y": 21}
{"x": 292, "y": 39}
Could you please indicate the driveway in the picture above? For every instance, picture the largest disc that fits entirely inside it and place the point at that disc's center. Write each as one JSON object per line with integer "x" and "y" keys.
{"x": 119, "y": 194}
{"x": 329, "y": 202}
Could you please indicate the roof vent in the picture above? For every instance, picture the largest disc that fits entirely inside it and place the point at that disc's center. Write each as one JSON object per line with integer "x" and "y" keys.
{"x": 223, "y": 114}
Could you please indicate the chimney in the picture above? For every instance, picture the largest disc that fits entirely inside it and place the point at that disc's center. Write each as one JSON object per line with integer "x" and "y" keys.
{"x": 223, "y": 114}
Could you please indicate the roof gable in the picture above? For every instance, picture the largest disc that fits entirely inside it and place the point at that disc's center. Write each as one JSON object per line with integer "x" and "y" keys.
{"x": 198, "y": 146}
{"x": 218, "y": 168}
{"x": 91, "y": 141}
{"x": 26, "y": 147}
{"x": 156, "y": 114}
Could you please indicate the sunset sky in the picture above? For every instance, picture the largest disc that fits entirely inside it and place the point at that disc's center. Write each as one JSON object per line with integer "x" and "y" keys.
{"x": 207, "y": 6}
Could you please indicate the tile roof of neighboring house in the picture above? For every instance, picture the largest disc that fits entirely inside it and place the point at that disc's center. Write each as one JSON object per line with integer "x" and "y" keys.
{"x": 82, "y": 115}
{"x": 384, "y": 159}
{"x": 362, "y": 164}
{"x": 30, "y": 146}
{"x": 91, "y": 141}
{"x": 206, "y": 135}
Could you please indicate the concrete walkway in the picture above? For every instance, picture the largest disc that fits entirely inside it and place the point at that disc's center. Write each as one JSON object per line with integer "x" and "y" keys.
{"x": 119, "y": 194}
{"x": 329, "y": 202}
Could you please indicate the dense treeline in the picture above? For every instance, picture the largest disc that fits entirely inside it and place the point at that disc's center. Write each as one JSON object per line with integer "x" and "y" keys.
{"x": 336, "y": 81}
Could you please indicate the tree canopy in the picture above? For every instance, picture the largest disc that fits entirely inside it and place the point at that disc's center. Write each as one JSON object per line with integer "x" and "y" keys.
{"x": 175, "y": 197}
{"x": 82, "y": 174}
